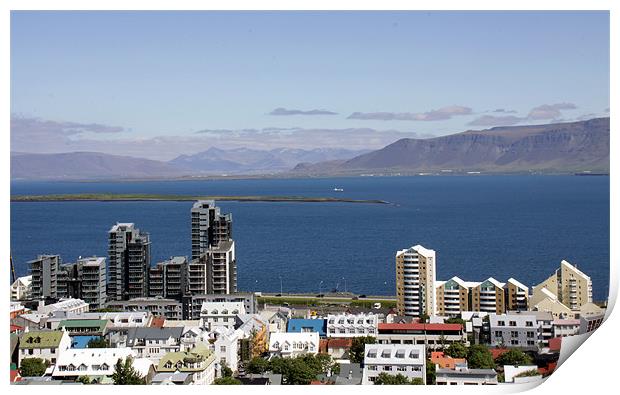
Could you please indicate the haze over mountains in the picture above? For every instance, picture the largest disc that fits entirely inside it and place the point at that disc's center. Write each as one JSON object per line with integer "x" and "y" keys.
{"x": 552, "y": 148}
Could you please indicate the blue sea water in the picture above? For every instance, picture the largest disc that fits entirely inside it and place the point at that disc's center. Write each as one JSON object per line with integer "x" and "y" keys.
{"x": 480, "y": 226}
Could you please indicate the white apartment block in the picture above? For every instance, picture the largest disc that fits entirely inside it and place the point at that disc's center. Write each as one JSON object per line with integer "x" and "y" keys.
{"x": 352, "y": 325}
{"x": 524, "y": 330}
{"x": 218, "y": 314}
{"x": 406, "y": 359}
{"x": 465, "y": 376}
{"x": 567, "y": 327}
{"x": 292, "y": 344}
{"x": 415, "y": 281}
{"x": 70, "y": 306}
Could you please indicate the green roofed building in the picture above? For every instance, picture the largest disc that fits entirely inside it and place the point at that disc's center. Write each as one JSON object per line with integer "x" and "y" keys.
{"x": 43, "y": 344}
{"x": 84, "y": 327}
{"x": 196, "y": 366}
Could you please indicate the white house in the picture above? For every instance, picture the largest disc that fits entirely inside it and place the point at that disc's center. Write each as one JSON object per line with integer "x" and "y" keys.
{"x": 465, "y": 376}
{"x": 152, "y": 343}
{"x": 90, "y": 362}
{"x": 406, "y": 359}
{"x": 75, "y": 306}
{"x": 224, "y": 314}
{"x": 352, "y": 325}
{"x": 292, "y": 344}
{"x": 21, "y": 289}
{"x": 226, "y": 347}
{"x": 48, "y": 345}
{"x": 567, "y": 327}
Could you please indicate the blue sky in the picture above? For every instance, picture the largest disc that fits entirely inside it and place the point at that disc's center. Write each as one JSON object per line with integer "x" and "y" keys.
{"x": 154, "y": 79}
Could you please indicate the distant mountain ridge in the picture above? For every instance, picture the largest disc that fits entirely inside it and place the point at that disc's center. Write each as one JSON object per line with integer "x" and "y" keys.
{"x": 87, "y": 165}
{"x": 560, "y": 147}
{"x": 246, "y": 160}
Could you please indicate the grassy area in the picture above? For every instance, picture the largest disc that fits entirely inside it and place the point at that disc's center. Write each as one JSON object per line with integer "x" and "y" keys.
{"x": 155, "y": 197}
{"x": 367, "y": 303}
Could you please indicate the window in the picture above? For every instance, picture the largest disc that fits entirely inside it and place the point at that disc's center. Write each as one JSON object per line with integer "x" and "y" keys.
{"x": 372, "y": 367}
{"x": 222, "y": 348}
{"x": 529, "y": 323}
{"x": 530, "y": 334}
{"x": 514, "y": 342}
{"x": 498, "y": 333}
{"x": 387, "y": 368}
{"x": 500, "y": 323}
{"x": 401, "y": 368}
{"x": 514, "y": 333}
{"x": 513, "y": 323}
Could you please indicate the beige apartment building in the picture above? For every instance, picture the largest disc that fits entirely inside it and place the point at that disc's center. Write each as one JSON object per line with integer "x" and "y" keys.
{"x": 570, "y": 285}
{"x": 415, "y": 281}
{"x": 488, "y": 296}
{"x": 453, "y": 296}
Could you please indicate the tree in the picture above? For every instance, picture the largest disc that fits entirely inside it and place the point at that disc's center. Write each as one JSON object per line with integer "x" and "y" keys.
{"x": 430, "y": 372}
{"x": 33, "y": 367}
{"x": 97, "y": 342}
{"x": 125, "y": 374}
{"x": 258, "y": 365}
{"x": 455, "y": 320}
{"x": 388, "y": 379}
{"x": 514, "y": 357}
{"x": 456, "y": 350}
{"x": 356, "y": 352}
{"x": 84, "y": 380}
{"x": 417, "y": 381}
{"x": 479, "y": 357}
{"x": 424, "y": 318}
{"x": 226, "y": 371}
{"x": 226, "y": 380}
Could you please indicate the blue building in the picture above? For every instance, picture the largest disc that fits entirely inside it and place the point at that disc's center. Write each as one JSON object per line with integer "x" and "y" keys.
{"x": 303, "y": 325}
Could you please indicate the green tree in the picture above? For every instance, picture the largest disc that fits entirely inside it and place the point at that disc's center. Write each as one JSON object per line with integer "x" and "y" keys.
{"x": 226, "y": 380}
{"x": 514, "y": 357}
{"x": 456, "y": 350}
{"x": 430, "y": 372}
{"x": 356, "y": 352}
{"x": 529, "y": 373}
{"x": 84, "y": 380}
{"x": 226, "y": 371}
{"x": 97, "y": 342}
{"x": 479, "y": 357}
{"x": 455, "y": 320}
{"x": 33, "y": 367}
{"x": 125, "y": 374}
{"x": 424, "y": 318}
{"x": 417, "y": 381}
{"x": 258, "y": 365}
{"x": 388, "y": 379}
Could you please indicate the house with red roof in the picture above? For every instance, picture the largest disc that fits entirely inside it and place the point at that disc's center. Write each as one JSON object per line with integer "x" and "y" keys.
{"x": 431, "y": 335}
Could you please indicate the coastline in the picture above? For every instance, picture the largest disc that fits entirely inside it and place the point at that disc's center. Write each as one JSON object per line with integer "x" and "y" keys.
{"x": 182, "y": 198}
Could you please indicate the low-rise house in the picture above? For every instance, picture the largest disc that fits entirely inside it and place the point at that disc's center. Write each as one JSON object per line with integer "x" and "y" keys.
{"x": 194, "y": 367}
{"x": 430, "y": 335}
{"x": 562, "y": 328}
{"x": 445, "y": 362}
{"x": 192, "y": 304}
{"x": 225, "y": 345}
{"x": 521, "y": 374}
{"x": 168, "y": 308}
{"x": 48, "y": 345}
{"x": 339, "y": 348}
{"x": 350, "y": 374}
{"x": 465, "y": 376}
{"x": 276, "y": 319}
{"x": 301, "y": 325}
{"x": 16, "y": 309}
{"x": 153, "y": 343}
{"x": 408, "y": 360}
{"x": 70, "y": 306}
{"x": 350, "y": 325}
{"x": 253, "y": 335}
{"x": 90, "y": 362}
{"x": 21, "y": 289}
{"x": 526, "y": 330}
{"x": 293, "y": 344}
{"x": 216, "y": 314}
{"x": 84, "y": 327}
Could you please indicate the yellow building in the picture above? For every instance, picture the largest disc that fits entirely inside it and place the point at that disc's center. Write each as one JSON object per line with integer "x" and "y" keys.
{"x": 488, "y": 296}
{"x": 570, "y": 285}
{"x": 516, "y": 295}
{"x": 415, "y": 281}
{"x": 452, "y": 297}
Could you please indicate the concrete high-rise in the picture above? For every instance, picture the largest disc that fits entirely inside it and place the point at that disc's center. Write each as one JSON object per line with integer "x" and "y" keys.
{"x": 209, "y": 226}
{"x": 168, "y": 279}
{"x": 84, "y": 279}
{"x": 44, "y": 271}
{"x": 129, "y": 256}
{"x": 415, "y": 281}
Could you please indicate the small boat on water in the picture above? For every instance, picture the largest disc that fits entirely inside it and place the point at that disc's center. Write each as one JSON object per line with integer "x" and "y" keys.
{"x": 338, "y": 190}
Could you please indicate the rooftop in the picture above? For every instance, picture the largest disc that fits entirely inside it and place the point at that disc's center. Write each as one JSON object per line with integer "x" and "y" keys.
{"x": 40, "y": 339}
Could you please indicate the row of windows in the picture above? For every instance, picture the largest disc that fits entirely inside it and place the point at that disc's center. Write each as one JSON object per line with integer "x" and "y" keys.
{"x": 389, "y": 368}
{"x": 352, "y": 330}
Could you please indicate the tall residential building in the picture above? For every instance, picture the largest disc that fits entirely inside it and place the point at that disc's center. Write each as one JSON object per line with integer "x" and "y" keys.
{"x": 44, "y": 271}
{"x": 84, "y": 279}
{"x": 129, "y": 261}
{"x": 488, "y": 296}
{"x": 21, "y": 289}
{"x": 415, "y": 281}
{"x": 168, "y": 279}
{"x": 222, "y": 271}
{"x": 452, "y": 297}
{"x": 197, "y": 270}
{"x": 516, "y": 296}
{"x": 209, "y": 226}
{"x": 571, "y": 286}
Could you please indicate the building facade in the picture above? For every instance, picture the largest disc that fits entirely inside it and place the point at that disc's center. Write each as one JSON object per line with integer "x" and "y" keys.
{"x": 352, "y": 325}
{"x": 570, "y": 285}
{"x": 168, "y": 279}
{"x": 209, "y": 227}
{"x": 415, "y": 281}
{"x": 488, "y": 296}
{"x": 21, "y": 289}
{"x": 292, "y": 344}
{"x": 408, "y": 360}
{"x": 44, "y": 272}
{"x": 85, "y": 279}
{"x": 129, "y": 259}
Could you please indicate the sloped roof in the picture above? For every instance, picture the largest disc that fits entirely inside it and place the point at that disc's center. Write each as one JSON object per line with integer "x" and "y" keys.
{"x": 99, "y": 324}
{"x": 198, "y": 353}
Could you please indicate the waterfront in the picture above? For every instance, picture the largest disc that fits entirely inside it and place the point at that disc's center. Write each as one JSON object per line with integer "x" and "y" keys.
{"x": 501, "y": 226}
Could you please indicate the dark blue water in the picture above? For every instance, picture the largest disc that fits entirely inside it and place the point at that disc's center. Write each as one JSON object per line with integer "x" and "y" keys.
{"x": 500, "y": 226}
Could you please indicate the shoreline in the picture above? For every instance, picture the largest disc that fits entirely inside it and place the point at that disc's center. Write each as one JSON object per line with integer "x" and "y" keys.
{"x": 183, "y": 198}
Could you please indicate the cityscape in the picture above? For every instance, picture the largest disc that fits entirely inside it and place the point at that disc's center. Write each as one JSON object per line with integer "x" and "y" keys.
{"x": 309, "y": 197}
{"x": 120, "y": 320}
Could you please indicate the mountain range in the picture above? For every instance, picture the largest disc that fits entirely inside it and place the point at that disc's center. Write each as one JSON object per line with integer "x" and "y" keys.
{"x": 552, "y": 148}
